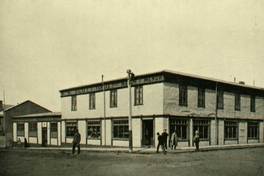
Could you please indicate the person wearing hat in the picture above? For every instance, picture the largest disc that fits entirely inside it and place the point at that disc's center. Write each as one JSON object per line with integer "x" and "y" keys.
{"x": 196, "y": 140}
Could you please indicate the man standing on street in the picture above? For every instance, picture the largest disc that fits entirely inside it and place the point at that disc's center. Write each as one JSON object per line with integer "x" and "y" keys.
{"x": 160, "y": 140}
{"x": 196, "y": 140}
{"x": 76, "y": 141}
{"x": 165, "y": 138}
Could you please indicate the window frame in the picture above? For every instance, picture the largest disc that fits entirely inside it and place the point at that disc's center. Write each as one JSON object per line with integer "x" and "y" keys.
{"x": 250, "y": 131}
{"x": 138, "y": 95}
{"x": 122, "y": 126}
{"x": 201, "y": 125}
{"x": 252, "y": 103}
{"x": 72, "y": 127}
{"x": 94, "y": 124}
{"x": 32, "y": 129}
{"x": 53, "y": 133}
{"x": 182, "y": 128}
{"x": 113, "y": 98}
{"x": 74, "y": 103}
{"x": 92, "y": 101}
{"x": 183, "y": 95}
{"x": 231, "y": 128}
{"x": 19, "y": 132}
{"x": 220, "y": 99}
{"x": 201, "y": 97}
{"x": 237, "y": 101}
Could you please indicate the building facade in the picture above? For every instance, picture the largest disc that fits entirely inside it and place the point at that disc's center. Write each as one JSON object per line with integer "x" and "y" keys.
{"x": 222, "y": 112}
{"x": 40, "y": 128}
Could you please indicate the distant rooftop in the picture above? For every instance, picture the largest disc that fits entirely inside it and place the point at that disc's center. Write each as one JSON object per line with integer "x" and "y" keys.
{"x": 46, "y": 114}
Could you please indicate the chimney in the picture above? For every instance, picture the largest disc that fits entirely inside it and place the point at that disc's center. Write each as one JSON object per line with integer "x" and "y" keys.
{"x": 1, "y": 105}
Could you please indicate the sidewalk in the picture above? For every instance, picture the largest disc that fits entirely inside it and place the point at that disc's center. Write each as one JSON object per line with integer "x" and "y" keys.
{"x": 147, "y": 150}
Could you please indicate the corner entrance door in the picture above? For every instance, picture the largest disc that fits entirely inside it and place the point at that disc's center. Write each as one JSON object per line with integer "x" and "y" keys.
{"x": 44, "y": 136}
{"x": 147, "y": 132}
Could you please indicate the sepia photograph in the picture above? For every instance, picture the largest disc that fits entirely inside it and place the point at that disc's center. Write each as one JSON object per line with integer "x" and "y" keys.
{"x": 131, "y": 88}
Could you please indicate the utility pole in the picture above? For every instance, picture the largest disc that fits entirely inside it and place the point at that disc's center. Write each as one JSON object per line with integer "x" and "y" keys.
{"x": 216, "y": 111}
{"x": 129, "y": 78}
{"x": 104, "y": 111}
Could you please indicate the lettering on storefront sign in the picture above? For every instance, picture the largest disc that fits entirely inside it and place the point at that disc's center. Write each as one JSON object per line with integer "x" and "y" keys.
{"x": 116, "y": 85}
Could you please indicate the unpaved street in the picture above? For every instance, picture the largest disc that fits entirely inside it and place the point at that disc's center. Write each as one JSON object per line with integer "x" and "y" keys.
{"x": 225, "y": 162}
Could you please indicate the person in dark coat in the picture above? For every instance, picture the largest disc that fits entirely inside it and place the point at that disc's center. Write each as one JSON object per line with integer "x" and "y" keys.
{"x": 196, "y": 140}
{"x": 76, "y": 141}
{"x": 160, "y": 143}
{"x": 165, "y": 138}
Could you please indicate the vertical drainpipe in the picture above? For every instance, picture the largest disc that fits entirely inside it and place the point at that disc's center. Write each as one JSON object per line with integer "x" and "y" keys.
{"x": 216, "y": 111}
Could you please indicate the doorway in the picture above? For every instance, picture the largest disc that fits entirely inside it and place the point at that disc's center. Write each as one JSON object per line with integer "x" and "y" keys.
{"x": 44, "y": 136}
{"x": 147, "y": 133}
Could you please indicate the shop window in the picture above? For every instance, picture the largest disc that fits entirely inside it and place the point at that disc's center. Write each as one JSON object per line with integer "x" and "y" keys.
{"x": 93, "y": 129}
{"x": 203, "y": 127}
{"x": 231, "y": 130}
{"x": 53, "y": 130}
{"x": 20, "y": 129}
{"x": 253, "y": 130}
{"x": 181, "y": 127}
{"x": 70, "y": 128}
{"x": 32, "y": 129}
{"x": 120, "y": 129}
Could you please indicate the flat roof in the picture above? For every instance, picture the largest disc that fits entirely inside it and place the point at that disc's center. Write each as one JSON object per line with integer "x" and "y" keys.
{"x": 176, "y": 73}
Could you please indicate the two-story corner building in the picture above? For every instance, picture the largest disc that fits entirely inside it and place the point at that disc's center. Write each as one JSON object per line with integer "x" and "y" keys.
{"x": 223, "y": 112}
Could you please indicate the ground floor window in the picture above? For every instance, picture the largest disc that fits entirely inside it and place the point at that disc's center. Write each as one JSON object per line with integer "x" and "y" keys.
{"x": 120, "y": 129}
{"x": 70, "y": 128}
{"x": 253, "y": 130}
{"x": 203, "y": 126}
{"x": 53, "y": 130}
{"x": 32, "y": 129}
{"x": 231, "y": 130}
{"x": 93, "y": 129}
{"x": 181, "y": 128}
{"x": 20, "y": 129}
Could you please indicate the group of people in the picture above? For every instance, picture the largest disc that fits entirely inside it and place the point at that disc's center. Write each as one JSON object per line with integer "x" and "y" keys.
{"x": 162, "y": 141}
{"x": 173, "y": 142}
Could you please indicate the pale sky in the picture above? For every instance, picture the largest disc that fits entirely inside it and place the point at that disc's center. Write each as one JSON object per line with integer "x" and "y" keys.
{"x": 48, "y": 45}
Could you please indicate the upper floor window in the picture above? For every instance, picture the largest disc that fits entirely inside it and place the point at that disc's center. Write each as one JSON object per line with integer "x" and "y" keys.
{"x": 33, "y": 128}
{"x": 201, "y": 97}
{"x": 92, "y": 101}
{"x": 183, "y": 95}
{"x": 113, "y": 98}
{"x": 74, "y": 103}
{"x": 252, "y": 103}
{"x": 220, "y": 99}
{"x": 237, "y": 102}
{"x": 138, "y": 95}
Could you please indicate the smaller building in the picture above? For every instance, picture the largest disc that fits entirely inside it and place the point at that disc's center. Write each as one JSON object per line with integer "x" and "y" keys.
{"x": 40, "y": 128}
